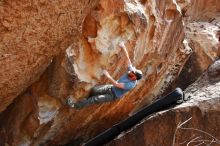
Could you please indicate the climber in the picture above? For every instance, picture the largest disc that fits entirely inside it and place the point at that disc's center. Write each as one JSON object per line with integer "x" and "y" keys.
{"x": 113, "y": 91}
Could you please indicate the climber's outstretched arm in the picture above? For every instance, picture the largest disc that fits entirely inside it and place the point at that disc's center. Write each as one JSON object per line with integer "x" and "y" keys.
{"x": 115, "y": 83}
{"x": 128, "y": 61}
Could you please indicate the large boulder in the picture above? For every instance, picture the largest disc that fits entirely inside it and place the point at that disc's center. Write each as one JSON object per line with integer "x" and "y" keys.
{"x": 32, "y": 33}
{"x": 52, "y": 49}
{"x": 195, "y": 122}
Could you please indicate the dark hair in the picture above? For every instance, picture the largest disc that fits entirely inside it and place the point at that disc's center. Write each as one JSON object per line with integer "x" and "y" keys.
{"x": 138, "y": 74}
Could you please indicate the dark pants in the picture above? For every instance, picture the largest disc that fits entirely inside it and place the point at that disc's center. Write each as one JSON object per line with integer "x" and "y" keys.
{"x": 99, "y": 94}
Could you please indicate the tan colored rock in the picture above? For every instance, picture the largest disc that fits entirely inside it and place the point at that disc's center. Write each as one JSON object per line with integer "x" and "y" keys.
{"x": 159, "y": 60}
{"x": 32, "y": 33}
{"x": 204, "y": 38}
{"x": 71, "y": 42}
{"x": 192, "y": 123}
{"x": 201, "y": 27}
{"x": 199, "y": 10}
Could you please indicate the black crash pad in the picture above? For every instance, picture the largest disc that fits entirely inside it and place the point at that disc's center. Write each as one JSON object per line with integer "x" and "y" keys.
{"x": 161, "y": 103}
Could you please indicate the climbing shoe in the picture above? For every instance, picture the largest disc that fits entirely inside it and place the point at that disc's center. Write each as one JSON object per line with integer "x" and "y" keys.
{"x": 70, "y": 101}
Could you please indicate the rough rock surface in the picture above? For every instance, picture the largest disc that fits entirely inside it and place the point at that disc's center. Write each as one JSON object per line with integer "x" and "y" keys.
{"x": 46, "y": 54}
{"x": 195, "y": 122}
{"x": 201, "y": 21}
{"x": 31, "y": 34}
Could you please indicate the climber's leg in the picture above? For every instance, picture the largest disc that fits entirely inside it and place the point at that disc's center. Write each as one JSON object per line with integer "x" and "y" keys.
{"x": 101, "y": 89}
{"x": 108, "y": 96}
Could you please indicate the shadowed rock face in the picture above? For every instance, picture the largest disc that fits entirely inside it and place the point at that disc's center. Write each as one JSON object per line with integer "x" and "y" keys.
{"x": 194, "y": 122}
{"x": 47, "y": 54}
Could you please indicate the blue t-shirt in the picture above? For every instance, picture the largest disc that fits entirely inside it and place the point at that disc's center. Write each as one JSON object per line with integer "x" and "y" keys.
{"x": 128, "y": 84}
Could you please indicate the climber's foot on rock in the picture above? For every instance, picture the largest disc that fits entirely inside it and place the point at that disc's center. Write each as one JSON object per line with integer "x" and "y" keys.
{"x": 70, "y": 101}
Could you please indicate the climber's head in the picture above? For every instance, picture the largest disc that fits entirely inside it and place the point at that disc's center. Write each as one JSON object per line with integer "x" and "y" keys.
{"x": 135, "y": 74}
